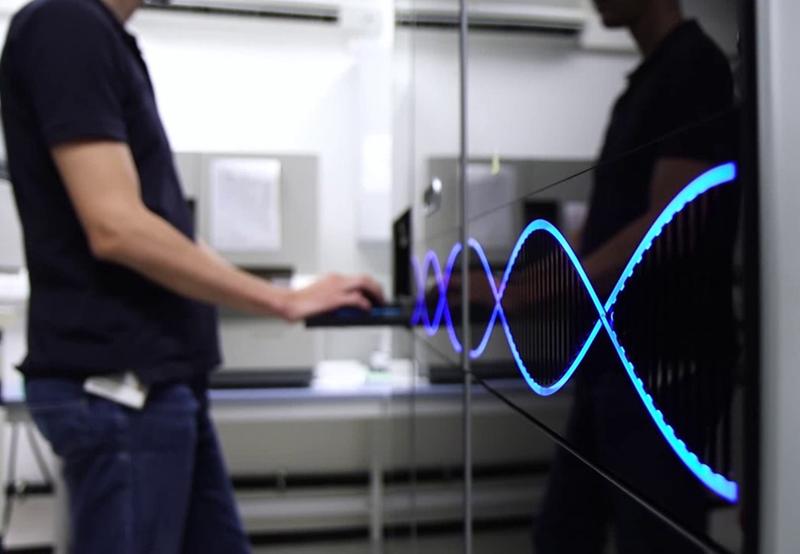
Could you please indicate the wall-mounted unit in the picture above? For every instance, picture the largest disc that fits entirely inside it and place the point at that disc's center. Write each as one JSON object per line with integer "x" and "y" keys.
{"x": 566, "y": 16}
{"x": 556, "y": 15}
{"x": 320, "y": 10}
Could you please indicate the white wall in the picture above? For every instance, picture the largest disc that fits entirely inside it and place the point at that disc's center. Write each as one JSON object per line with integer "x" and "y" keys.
{"x": 530, "y": 95}
{"x": 540, "y": 97}
{"x": 779, "y": 90}
{"x": 11, "y": 256}
{"x": 238, "y": 84}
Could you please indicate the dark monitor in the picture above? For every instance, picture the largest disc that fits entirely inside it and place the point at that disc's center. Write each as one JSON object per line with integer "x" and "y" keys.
{"x": 401, "y": 252}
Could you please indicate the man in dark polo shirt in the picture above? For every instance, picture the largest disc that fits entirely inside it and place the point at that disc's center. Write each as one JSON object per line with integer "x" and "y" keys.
{"x": 122, "y": 296}
{"x": 669, "y": 126}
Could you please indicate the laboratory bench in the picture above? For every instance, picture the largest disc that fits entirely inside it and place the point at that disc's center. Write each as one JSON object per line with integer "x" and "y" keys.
{"x": 354, "y": 462}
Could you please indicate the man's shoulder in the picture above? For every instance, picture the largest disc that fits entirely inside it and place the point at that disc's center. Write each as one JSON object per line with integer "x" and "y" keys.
{"x": 700, "y": 50}
{"x": 693, "y": 69}
{"x": 68, "y": 16}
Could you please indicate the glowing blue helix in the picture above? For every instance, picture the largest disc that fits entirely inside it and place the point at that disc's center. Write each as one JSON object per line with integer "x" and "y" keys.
{"x": 713, "y": 178}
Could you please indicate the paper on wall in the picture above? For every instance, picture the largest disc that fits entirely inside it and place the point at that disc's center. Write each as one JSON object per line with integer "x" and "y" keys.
{"x": 245, "y": 207}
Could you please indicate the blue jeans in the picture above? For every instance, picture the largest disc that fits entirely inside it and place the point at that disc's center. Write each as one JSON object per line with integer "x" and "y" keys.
{"x": 139, "y": 482}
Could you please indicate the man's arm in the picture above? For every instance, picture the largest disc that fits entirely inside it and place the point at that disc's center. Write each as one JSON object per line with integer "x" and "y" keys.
{"x": 103, "y": 185}
{"x": 670, "y": 175}
{"x": 605, "y": 264}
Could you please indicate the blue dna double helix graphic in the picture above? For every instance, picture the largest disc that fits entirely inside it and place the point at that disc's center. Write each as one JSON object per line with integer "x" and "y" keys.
{"x": 713, "y": 178}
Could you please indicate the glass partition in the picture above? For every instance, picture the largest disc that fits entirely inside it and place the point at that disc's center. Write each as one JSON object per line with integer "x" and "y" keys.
{"x": 606, "y": 322}
{"x": 604, "y": 210}
{"x": 427, "y": 131}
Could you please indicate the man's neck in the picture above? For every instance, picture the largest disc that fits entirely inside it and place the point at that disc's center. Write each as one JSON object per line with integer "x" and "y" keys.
{"x": 122, "y": 9}
{"x": 654, "y": 26}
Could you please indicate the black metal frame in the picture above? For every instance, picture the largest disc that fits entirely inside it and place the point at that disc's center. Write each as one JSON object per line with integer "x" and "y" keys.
{"x": 752, "y": 307}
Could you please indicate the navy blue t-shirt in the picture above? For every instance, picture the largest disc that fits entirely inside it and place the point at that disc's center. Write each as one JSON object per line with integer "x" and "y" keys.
{"x": 71, "y": 72}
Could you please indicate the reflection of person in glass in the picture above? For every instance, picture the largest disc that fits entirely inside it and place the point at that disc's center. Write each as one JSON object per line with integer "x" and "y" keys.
{"x": 666, "y": 129}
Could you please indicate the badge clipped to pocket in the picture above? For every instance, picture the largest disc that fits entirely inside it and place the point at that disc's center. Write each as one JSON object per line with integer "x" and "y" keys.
{"x": 122, "y": 388}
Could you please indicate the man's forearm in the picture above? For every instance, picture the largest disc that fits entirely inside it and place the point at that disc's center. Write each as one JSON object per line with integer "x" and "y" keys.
{"x": 604, "y": 265}
{"x": 670, "y": 175}
{"x": 149, "y": 245}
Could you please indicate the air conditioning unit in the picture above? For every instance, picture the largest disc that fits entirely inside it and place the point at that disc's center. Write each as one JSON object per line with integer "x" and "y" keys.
{"x": 309, "y": 9}
{"x": 559, "y": 15}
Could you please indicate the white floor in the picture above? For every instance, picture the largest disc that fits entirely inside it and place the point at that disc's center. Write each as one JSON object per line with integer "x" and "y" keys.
{"x": 32, "y": 526}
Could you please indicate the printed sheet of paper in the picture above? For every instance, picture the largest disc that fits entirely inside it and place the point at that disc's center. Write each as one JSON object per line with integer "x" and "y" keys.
{"x": 495, "y": 186}
{"x": 245, "y": 207}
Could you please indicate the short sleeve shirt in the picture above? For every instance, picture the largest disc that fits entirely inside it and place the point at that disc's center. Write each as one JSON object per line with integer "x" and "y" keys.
{"x": 71, "y": 72}
{"x": 679, "y": 103}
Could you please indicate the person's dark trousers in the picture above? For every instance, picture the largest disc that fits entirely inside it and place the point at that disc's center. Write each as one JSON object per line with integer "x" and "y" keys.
{"x": 148, "y": 481}
{"x": 608, "y": 424}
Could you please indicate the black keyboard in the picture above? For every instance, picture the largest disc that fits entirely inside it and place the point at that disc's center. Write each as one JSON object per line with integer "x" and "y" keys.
{"x": 388, "y": 315}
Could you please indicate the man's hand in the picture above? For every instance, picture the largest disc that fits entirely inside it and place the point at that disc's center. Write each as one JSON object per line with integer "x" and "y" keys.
{"x": 331, "y": 292}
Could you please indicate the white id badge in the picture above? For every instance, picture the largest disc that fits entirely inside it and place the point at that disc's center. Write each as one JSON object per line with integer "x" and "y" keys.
{"x": 122, "y": 388}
